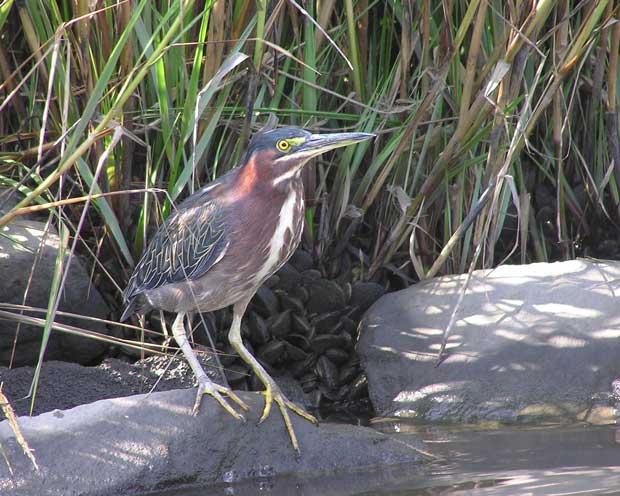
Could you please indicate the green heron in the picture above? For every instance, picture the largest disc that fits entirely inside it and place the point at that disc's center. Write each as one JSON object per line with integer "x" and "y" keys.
{"x": 224, "y": 241}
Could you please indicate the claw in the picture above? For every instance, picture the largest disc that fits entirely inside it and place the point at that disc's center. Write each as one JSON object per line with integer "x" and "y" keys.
{"x": 272, "y": 393}
{"x": 206, "y": 386}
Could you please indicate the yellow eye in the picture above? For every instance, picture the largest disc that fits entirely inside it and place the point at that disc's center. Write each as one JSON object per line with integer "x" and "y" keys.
{"x": 283, "y": 145}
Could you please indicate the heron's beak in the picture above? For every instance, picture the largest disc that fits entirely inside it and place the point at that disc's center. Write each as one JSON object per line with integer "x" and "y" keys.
{"x": 321, "y": 143}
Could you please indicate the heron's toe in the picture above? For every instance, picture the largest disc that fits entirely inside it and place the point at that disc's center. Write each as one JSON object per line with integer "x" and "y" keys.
{"x": 206, "y": 386}
{"x": 272, "y": 393}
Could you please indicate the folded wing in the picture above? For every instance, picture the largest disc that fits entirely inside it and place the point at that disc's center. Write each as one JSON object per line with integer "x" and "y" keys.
{"x": 184, "y": 248}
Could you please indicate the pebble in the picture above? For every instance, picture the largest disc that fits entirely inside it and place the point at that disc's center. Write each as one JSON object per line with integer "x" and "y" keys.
{"x": 349, "y": 325}
{"x": 325, "y": 296}
{"x": 280, "y": 324}
{"x": 325, "y": 323}
{"x": 329, "y": 393}
{"x": 348, "y": 342}
{"x": 301, "y": 292}
{"x": 337, "y": 355}
{"x": 294, "y": 353}
{"x": 272, "y": 281}
{"x": 297, "y": 369}
{"x": 236, "y": 372}
{"x": 299, "y": 341}
{"x": 259, "y": 331}
{"x": 265, "y": 302}
{"x": 347, "y": 374}
{"x": 304, "y": 323}
{"x": 228, "y": 356}
{"x": 301, "y": 260}
{"x": 327, "y": 371}
{"x": 314, "y": 398}
{"x": 291, "y": 303}
{"x": 364, "y": 294}
{"x": 289, "y": 277}
{"x": 311, "y": 275}
{"x": 301, "y": 325}
{"x": 272, "y": 352}
{"x": 323, "y": 342}
{"x": 308, "y": 382}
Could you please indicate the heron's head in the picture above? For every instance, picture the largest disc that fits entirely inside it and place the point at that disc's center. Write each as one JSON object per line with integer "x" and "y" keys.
{"x": 282, "y": 153}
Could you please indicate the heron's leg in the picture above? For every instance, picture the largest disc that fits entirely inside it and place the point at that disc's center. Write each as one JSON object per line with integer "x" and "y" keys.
{"x": 205, "y": 385}
{"x": 272, "y": 391}
{"x": 164, "y": 328}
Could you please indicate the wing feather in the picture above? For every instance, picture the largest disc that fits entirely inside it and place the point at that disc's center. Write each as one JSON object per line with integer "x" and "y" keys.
{"x": 185, "y": 247}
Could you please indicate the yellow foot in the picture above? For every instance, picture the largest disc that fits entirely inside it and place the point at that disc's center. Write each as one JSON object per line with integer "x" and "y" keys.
{"x": 206, "y": 386}
{"x": 273, "y": 393}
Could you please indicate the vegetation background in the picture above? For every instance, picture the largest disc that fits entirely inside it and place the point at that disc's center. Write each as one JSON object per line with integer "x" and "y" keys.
{"x": 497, "y": 124}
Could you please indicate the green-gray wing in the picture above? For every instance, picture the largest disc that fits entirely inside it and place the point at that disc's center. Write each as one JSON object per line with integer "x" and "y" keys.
{"x": 184, "y": 248}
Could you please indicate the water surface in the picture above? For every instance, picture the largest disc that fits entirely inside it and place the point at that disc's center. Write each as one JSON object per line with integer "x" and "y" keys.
{"x": 574, "y": 460}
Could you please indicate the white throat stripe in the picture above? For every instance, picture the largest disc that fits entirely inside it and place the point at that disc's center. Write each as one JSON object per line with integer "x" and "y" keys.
{"x": 289, "y": 174}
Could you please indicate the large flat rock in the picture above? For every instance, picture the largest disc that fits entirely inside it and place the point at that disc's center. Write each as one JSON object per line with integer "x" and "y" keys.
{"x": 64, "y": 385}
{"x": 144, "y": 442}
{"x": 531, "y": 343}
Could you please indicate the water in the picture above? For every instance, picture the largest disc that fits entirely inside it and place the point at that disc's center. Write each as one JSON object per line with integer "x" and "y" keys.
{"x": 575, "y": 460}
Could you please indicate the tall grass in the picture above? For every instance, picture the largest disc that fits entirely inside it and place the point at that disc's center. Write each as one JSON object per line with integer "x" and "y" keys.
{"x": 462, "y": 94}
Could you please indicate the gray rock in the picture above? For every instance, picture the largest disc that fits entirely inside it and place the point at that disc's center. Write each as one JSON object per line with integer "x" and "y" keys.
{"x": 530, "y": 343}
{"x": 359, "y": 387}
{"x": 9, "y": 198}
{"x": 65, "y": 385}
{"x": 140, "y": 443}
{"x": 19, "y": 244}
